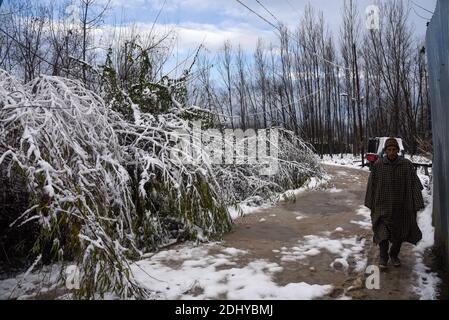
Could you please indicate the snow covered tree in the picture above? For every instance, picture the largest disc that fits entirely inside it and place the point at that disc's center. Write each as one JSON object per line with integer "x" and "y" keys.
{"x": 102, "y": 190}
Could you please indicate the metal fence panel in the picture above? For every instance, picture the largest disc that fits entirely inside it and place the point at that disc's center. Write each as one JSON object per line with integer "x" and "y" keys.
{"x": 437, "y": 43}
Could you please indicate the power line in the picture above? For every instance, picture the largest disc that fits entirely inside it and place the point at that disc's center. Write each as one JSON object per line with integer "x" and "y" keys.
{"x": 293, "y": 37}
{"x": 157, "y": 16}
{"x": 289, "y": 34}
{"x": 420, "y": 6}
{"x": 257, "y": 14}
{"x": 269, "y": 12}
{"x": 412, "y": 6}
{"x": 427, "y": 19}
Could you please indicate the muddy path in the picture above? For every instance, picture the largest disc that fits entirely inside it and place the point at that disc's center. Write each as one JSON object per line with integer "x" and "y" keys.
{"x": 328, "y": 214}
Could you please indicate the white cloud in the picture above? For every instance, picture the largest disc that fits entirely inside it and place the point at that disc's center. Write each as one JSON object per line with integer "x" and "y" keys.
{"x": 191, "y": 35}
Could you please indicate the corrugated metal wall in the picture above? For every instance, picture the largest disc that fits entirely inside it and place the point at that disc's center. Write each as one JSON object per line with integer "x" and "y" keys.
{"x": 437, "y": 43}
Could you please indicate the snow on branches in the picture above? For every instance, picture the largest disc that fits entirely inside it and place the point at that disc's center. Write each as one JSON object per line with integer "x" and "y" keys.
{"x": 59, "y": 136}
{"x": 105, "y": 188}
{"x": 102, "y": 190}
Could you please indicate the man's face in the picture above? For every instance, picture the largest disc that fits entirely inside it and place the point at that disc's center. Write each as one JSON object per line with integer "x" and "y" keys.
{"x": 392, "y": 152}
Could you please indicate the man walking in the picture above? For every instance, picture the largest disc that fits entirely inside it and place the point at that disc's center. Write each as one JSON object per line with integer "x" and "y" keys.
{"x": 394, "y": 197}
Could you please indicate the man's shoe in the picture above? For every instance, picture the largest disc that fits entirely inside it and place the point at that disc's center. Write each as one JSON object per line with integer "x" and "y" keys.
{"x": 395, "y": 261}
{"x": 383, "y": 263}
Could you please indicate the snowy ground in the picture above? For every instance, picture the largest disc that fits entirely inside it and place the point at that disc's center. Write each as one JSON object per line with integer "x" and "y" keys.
{"x": 313, "y": 245}
{"x": 191, "y": 272}
{"x": 29, "y": 284}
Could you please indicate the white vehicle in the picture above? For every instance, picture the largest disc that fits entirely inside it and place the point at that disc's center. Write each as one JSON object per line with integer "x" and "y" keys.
{"x": 376, "y": 149}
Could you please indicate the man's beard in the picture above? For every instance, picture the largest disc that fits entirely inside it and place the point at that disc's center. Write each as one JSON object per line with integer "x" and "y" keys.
{"x": 392, "y": 158}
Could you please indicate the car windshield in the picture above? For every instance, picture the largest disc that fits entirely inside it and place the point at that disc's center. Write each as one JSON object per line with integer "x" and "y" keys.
{"x": 372, "y": 145}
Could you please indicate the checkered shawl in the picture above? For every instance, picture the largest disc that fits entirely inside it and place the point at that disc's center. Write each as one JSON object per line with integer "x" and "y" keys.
{"x": 394, "y": 196}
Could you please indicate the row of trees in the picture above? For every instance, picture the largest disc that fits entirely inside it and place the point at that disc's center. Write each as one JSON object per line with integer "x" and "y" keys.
{"x": 334, "y": 90}
{"x": 38, "y": 38}
{"x": 335, "y": 95}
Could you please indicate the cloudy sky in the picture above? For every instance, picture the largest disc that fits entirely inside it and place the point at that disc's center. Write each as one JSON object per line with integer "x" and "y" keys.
{"x": 214, "y": 21}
